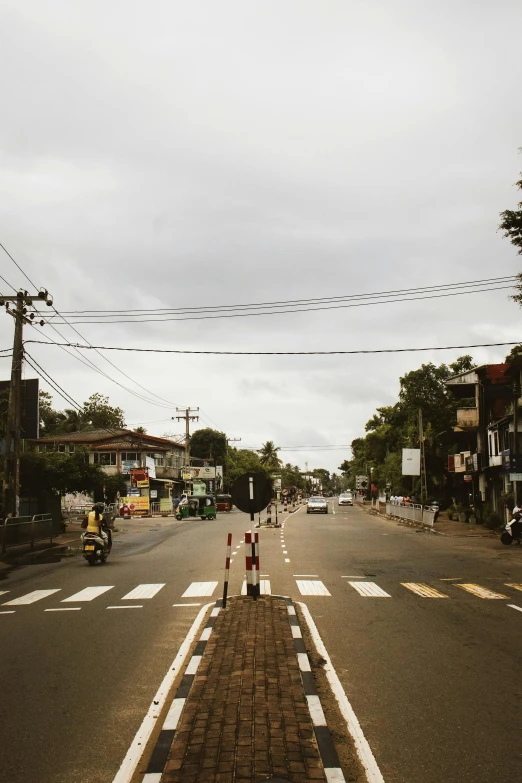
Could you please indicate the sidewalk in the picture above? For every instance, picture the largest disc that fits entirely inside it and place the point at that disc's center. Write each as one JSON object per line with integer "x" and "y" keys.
{"x": 249, "y": 704}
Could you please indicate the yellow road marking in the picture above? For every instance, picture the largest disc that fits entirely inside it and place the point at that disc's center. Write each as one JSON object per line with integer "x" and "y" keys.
{"x": 425, "y": 591}
{"x": 482, "y": 592}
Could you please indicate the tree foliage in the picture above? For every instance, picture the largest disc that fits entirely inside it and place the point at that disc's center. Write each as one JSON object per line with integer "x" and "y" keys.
{"x": 269, "y": 455}
{"x": 511, "y": 225}
{"x": 207, "y": 443}
{"x": 56, "y": 472}
{"x": 395, "y": 427}
{"x": 241, "y": 461}
{"x": 96, "y": 413}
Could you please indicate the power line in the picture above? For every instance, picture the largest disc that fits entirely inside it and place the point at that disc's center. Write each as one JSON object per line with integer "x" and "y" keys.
{"x": 291, "y": 302}
{"x": 295, "y": 310}
{"x": 9, "y": 284}
{"x": 276, "y": 353}
{"x": 169, "y": 404}
{"x": 19, "y": 267}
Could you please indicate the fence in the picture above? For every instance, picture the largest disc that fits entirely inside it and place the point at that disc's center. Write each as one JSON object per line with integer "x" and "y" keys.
{"x": 412, "y": 512}
{"x": 25, "y": 530}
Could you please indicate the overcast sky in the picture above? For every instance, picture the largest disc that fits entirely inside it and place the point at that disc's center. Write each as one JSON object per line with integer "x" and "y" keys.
{"x": 170, "y": 154}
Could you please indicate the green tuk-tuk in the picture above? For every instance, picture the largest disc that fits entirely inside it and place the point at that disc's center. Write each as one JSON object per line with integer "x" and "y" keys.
{"x": 203, "y": 506}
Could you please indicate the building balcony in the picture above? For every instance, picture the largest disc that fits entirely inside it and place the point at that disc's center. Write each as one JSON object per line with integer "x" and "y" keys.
{"x": 467, "y": 419}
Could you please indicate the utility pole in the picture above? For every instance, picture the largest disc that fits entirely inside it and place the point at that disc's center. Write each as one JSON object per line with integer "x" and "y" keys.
{"x": 514, "y": 461}
{"x": 423, "y": 477}
{"x": 14, "y": 413}
{"x": 225, "y": 469}
{"x": 187, "y": 415}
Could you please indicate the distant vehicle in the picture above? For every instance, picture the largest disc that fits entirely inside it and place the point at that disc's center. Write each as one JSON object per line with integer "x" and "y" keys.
{"x": 224, "y": 503}
{"x": 346, "y": 499}
{"x": 317, "y": 505}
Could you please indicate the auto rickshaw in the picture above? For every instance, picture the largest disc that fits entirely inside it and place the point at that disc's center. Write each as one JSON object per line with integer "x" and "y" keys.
{"x": 203, "y": 506}
{"x": 224, "y": 502}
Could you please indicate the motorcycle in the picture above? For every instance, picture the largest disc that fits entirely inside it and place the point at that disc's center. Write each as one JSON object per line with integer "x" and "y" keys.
{"x": 94, "y": 548}
{"x": 512, "y": 533}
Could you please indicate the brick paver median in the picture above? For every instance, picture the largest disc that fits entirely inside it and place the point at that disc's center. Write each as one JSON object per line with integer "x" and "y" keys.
{"x": 246, "y": 717}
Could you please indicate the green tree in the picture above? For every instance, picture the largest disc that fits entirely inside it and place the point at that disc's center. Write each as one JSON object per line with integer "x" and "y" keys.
{"x": 268, "y": 455}
{"x": 207, "y": 443}
{"x": 141, "y": 430}
{"x": 56, "y": 472}
{"x": 241, "y": 461}
{"x": 462, "y": 364}
{"x": 98, "y": 414}
{"x": 511, "y": 225}
{"x": 513, "y": 354}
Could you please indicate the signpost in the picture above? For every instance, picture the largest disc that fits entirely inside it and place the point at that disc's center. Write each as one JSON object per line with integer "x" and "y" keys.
{"x": 251, "y": 493}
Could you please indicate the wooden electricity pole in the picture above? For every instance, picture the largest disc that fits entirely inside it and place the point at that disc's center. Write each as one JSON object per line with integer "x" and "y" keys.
{"x": 22, "y": 300}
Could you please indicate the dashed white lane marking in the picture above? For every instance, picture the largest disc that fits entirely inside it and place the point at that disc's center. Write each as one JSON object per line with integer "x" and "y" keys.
{"x": 188, "y": 605}
{"x": 450, "y": 578}
{"x": 4, "y": 592}
{"x": 264, "y": 586}
{"x": 129, "y": 606}
{"x": 199, "y": 588}
{"x": 285, "y": 551}
{"x": 88, "y": 594}
{"x": 173, "y": 716}
{"x": 482, "y": 592}
{"x": 304, "y": 663}
{"x": 369, "y": 590}
{"x": 308, "y": 576}
{"x": 296, "y": 632}
{"x": 193, "y": 664}
{"x": 423, "y": 590}
{"x": 143, "y": 591}
{"x": 31, "y": 598}
{"x": 64, "y": 609}
{"x": 353, "y": 576}
{"x": 514, "y": 586}
{"x": 311, "y": 587}
{"x": 511, "y": 606}
{"x": 8, "y": 611}
{"x": 316, "y": 711}
{"x": 287, "y": 560}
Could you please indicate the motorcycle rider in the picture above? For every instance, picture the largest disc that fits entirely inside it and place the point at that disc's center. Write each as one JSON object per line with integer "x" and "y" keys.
{"x": 96, "y": 524}
{"x": 516, "y": 525}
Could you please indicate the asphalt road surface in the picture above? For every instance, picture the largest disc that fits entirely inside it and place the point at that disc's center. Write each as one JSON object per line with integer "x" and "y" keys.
{"x": 428, "y": 656}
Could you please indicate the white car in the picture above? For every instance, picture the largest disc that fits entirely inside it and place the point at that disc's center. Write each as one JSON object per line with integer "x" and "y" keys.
{"x": 317, "y": 505}
{"x": 346, "y": 499}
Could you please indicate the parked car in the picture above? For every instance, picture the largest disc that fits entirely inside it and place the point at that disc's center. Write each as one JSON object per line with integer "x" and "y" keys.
{"x": 346, "y": 499}
{"x": 317, "y": 505}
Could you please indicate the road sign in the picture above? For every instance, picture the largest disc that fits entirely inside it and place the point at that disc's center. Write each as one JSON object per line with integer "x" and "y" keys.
{"x": 251, "y": 492}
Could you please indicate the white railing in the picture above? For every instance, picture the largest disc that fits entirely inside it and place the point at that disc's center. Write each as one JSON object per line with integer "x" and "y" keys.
{"x": 412, "y": 512}
{"x": 26, "y": 530}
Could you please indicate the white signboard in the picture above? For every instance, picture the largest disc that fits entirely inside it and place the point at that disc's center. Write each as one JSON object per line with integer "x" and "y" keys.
{"x": 151, "y": 465}
{"x": 411, "y": 462}
{"x": 127, "y": 464}
{"x": 199, "y": 473}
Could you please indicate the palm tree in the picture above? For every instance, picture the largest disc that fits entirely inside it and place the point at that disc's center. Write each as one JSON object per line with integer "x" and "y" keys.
{"x": 268, "y": 455}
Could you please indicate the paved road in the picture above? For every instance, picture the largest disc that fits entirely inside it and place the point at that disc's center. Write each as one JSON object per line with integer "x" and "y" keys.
{"x": 429, "y": 678}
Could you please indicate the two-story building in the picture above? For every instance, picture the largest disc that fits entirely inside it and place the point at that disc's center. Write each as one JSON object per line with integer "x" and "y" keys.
{"x": 485, "y": 427}
{"x": 120, "y": 450}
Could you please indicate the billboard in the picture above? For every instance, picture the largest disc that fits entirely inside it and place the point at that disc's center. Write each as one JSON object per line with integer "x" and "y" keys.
{"x": 151, "y": 466}
{"x": 30, "y": 410}
{"x": 139, "y": 477}
{"x": 198, "y": 473}
{"x": 411, "y": 462}
{"x": 138, "y": 506}
{"x": 128, "y": 464}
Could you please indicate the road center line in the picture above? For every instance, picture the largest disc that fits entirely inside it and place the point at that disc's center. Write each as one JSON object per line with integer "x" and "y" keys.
{"x": 511, "y": 606}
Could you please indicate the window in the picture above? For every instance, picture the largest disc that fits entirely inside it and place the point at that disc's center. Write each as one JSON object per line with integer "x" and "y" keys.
{"x": 130, "y": 456}
{"x": 159, "y": 459}
{"x": 494, "y": 446}
{"x": 105, "y": 457}
{"x": 66, "y": 448}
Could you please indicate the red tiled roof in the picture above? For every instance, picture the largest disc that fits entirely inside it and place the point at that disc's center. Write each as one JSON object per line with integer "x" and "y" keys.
{"x": 112, "y": 438}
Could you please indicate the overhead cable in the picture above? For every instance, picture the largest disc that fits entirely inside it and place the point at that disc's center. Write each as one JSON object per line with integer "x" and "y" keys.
{"x": 275, "y": 353}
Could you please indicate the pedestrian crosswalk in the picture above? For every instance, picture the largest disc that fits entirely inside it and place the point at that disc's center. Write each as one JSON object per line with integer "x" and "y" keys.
{"x": 110, "y": 597}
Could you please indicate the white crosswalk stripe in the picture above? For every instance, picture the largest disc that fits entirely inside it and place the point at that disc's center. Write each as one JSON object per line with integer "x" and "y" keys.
{"x": 144, "y": 591}
{"x": 369, "y": 590}
{"x": 3, "y": 592}
{"x": 425, "y": 591}
{"x": 31, "y": 598}
{"x": 199, "y": 588}
{"x": 482, "y": 592}
{"x": 514, "y": 586}
{"x": 264, "y": 586}
{"x": 311, "y": 587}
{"x": 87, "y": 594}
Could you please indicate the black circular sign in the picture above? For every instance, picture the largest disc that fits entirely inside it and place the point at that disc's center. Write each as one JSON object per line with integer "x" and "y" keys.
{"x": 262, "y": 491}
